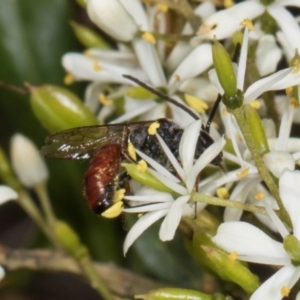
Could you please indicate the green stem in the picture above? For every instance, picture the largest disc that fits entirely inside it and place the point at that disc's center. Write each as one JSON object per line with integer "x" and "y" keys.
{"x": 258, "y": 159}
{"x": 28, "y": 205}
{"x": 43, "y": 196}
{"x": 196, "y": 197}
{"x": 90, "y": 272}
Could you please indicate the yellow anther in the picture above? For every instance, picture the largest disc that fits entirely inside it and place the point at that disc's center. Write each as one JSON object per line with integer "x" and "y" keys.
{"x": 239, "y": 137}
{"x": 259, "y": 195}
{"x": 222, "y": 193}
{"x": 296, "y": 64}
{"x": 88, "y": 54}
{"x": 131, "y": 151}
{"x": 149, "y": 37}
{"x": 96, "y": 66}
{"x": 243, "y": 173}
{"x": 104, "y": 100}
{"x": 294, "y": 102}
{"x": 233, "y": 256}
{"x": 289, "y": 91}
{"x": 285, "y": 291}
{"x": 177, "y": 77}
{"x": 228, "y": 3}
{"x": 255, "y": 104}
{"x": 196, "y": 103}
{"x": 162, "y": 7}
{"x": 69, "y": 79}
{"x": 153, "y": 128}
{"x": 142, "y": 166}
{"x": 247, "y": 23}
{"x": 113, "y": 211}
{"x": 224, "y": 111}
{"x": 119, "y": 195}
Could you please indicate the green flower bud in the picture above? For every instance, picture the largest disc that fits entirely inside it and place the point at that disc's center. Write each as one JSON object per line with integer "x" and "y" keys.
{"x": 224, "y": 69}
{"x": 257, "y": 129}
{"x": 58, "y": 109}
{"x": 138, "y": 92}
{"x": 207, "y": 254}
{"x": 268, "y": 23}
{"x": 69, "y": 240}
{"x": 88, "y": 37}
{"x": 235, "y": 101}
{"x": 146, "y": 178}
{"x": 82, "y": 3}
{"x": 174, "y": 294}
{"x": 6, "y": 173}
{"x": 292, "y": 246}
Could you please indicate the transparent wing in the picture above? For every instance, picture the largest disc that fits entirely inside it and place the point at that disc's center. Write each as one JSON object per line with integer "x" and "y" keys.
{"x": 84, "y": 142}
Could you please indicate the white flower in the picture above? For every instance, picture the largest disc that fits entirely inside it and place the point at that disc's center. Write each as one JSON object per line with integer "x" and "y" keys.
{"x": 159, "y": 204}
{"x": 144, "y": 61}
{"x": 224, "y": 23}
{"x": 28, "y": 164}
{"x": 252, "y": 244}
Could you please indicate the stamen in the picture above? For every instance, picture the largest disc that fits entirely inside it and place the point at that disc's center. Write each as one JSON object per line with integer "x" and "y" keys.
{"x": 104, "y": 100}
{"x": 285, "y": 291}
{"x": 96, "y": 66}
{"x": 233, "y": 256}
{"x": 149, "y": 37}
{"x": 153, "y": 128}
{"x": 119, "y": 195}
{"x": 162, "y": 7}
{"x": 131, "y": 151}
{"x": 255, "y": 104}
{"x": 196, "y": 103}
{"x": 113, "y": 211}
{"x": 247, "y": 23}
{"x": 223, "y": 193}
{"x": 243, "y": 173}
{"x": 259, "y": 195}
{"x": 142, "y": 166}
{"x": 69, "y": 79}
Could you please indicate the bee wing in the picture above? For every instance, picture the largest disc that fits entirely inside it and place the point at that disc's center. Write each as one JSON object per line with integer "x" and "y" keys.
{"x": 82, "y": 142}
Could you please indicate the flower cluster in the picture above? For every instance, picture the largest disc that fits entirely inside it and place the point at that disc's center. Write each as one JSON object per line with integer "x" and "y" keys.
{"x": 251, "y": 131}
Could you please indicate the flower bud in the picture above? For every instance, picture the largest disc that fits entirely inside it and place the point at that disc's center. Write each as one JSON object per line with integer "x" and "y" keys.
{"x": 257, "y": 129}
{"x": 27, "y": 163}
{"x": 292, "y": 246}
{"x": 58, "y": 109}
{"x": 70, "y": 240}
{"x": 207, "y": 254}
{"x": 6, "y": 173}
{"x": 6, "y": 194}
{"x": 174, "y": 294}
{"x": 146, "y": 178}
{"x": 224, "y": 69}
{"x": 2, "y": 273}
{"x": 112, "y": 18}
{"x": 88, "y": 37}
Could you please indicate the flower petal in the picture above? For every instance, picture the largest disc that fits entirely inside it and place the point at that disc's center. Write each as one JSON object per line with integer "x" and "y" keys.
{"x": 140, "y": 226}
{"x": 246, "y": 239}
{"x": 224, "y": 23}
{"x": 187, "y": 146}
{"x": 6, "y": 194}
{"x": 172, "y": 219}
{"x": 271, "y": 289}
{"x": 278, "y": 161}
{"x": 289, "y": 190}
{"x": 206, "y": 157}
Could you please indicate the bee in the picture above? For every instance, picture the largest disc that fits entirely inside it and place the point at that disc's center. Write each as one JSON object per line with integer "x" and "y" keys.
{"x": 107, "y": 146}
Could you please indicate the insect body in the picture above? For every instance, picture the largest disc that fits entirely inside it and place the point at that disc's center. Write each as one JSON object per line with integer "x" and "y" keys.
{"x": 106, "y": 146}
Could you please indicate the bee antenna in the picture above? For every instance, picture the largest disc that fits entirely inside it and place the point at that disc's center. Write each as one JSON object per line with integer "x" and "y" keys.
{"x": 212, "y": 113}
{"x": 163, "y": 96}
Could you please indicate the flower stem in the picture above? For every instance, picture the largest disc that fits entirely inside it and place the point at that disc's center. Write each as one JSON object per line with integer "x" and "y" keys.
{"x": 258, "y": 158}
{"x": 28, "y": 205}
{"x": 43, "y": 196}
{"x": 196, "y": 197}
